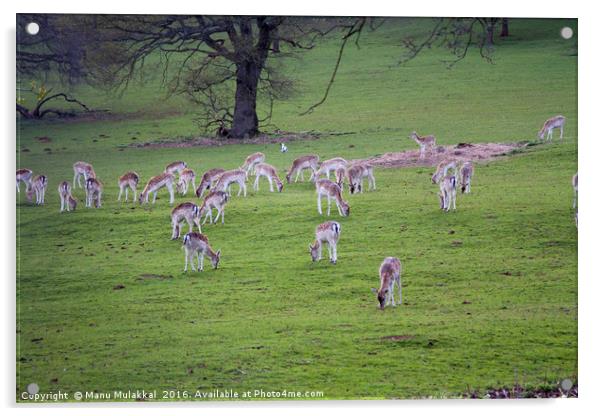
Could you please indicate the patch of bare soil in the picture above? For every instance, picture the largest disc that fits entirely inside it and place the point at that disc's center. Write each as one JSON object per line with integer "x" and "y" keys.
{"x": 277, "y": 137}
{"x": 476, "y": 152}
{"x": 519, "y": 392}
{"x": 397, "y": 338}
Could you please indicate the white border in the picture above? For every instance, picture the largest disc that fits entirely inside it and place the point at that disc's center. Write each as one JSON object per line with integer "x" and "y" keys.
{"x": 590, "y": 277}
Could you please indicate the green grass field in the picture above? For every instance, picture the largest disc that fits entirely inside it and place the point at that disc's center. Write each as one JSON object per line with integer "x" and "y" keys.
{"x": 490, "y": 291}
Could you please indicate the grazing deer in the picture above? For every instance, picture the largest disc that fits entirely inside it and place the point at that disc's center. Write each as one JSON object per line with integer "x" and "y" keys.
{"x": 196, "y": 243}
{"x": 82, "y": 169}
{"x": 575, "y": 192}
{"x": 269, "y": 171}
{"x": 128, "y": 180}
{"x": 154, "y": 184}
{"x": 175, "y": 167}
{"x": 331, "y": 165}
{"x": 424, "y": 142}
{"x": 186, "y": 178}
{"x": 67, "y": 201}
{"x": 302, "y": 163}
{"x": 329, "y": 189}
{"x": 208, "y": 180}
{"x": 24, "y": 175}
{"x": 283, "y": 148}
{"x": 188, "y": 212}
{"x": 214, "y": 200}
{"x": 251, "y": 161}
{"x": 93, "y": 193}
{"x": 551, "y": 124}
{"x": 38, "y": 187}
{"x": 442, "y": 169}
{"x": 390, "y": 274}
{"x": 447, "y": 194}
{"x": 229, "y": 177}
{"x": 356, "y": 174}
{"x": 466, "y": 172}
{"x": 328, "y": 232}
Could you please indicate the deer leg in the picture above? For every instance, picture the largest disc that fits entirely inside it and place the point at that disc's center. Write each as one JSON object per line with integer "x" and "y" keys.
{"x": 256, "y": 183}
{"x": 328, "y": 198}
{"x": 334, "y": 253}
{"x": 201, "y": 254}
{"x": 271, "y": 184}
{"x": 186, "y": 260}
{"x": 320, "y": 204}
{"x": 154, "y": 196}
{"x": 561, "y": 132}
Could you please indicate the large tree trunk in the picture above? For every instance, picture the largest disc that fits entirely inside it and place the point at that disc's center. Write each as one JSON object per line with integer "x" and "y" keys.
{"x": 245, "y": 123}
{"x": 505, "y": 32}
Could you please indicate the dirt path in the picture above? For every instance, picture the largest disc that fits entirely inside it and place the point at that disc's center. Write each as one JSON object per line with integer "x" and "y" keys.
{"x": 476, "y": 152}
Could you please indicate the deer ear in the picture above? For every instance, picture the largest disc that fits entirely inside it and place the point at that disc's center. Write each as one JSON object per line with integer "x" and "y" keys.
{"x": 374, "y": 290}
{"x": 310, "y": 247}
{"x": 218, "y": 252}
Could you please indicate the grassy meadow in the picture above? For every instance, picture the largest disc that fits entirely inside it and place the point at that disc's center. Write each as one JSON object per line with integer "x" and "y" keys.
{"x": 490, "y": 291}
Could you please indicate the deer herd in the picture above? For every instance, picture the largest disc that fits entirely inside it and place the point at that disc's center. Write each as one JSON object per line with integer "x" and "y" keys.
{"x": 217, "y": 183}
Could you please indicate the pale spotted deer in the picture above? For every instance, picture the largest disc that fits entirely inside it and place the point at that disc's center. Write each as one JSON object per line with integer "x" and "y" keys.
{"x": 230, "y": 177}
{"x": 442, "y": 169}
{"x": 196, "y": 243}
{"x": 38, "y": 187}
{"x": 425, "y": 142}
{"x": 268, "y": 171}
{"x": 214, "y": 200}
{"x": 550, "y": 124}
{"x": 356, "y": 174}
{"x": 466, "y": 172}
{"x": 187, "y": 177}
{"x": 329, "y": 189}
{"x": 188, "y": 212}
{"x": 82, "y": 169}
{"x": 128, "y": 180}
{"x": 300, "y": 165}
{"x": 251, "y": 161}
{"x": 331, "y": 165}
{"x": 25, "y": 176}
{"x": 327, "y": 232}
{"x": 208, "y": 180}
{"x": 154, "y": 185}
{"x": 575, "y": 180}
{"x": 175, "y": 167}
{"x": 390, "y": 274}
{"x": 93, "y": 193}
{"x": 447, "y": 192}
{"x": 67, "y": 201}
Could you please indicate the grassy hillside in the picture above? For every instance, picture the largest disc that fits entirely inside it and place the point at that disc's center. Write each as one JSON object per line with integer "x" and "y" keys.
{"x": 490, "y": 291}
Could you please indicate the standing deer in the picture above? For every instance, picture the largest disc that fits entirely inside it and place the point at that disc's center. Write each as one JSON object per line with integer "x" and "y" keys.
{"x": 442, "y": 169}
{"x": 229, "y": 177}
{"x": 550, "y": 124}
{"x": 424, "y": 142}
{"x": 390, "y": 274}
{"x": 82, "y": 169}
{"x": 175, "y": 167}
{"x": 214, "y": 200}
{"x": 188, "y": 212}
{"x": 251, "y": 161}
{"x": 67, "y": 201}
{"x": 38, "y": 187}
{"x": 186, "y": 178}
{"x": 93, "y": 193}
{"x": 24, "y": 175}
{"x": 447, "y": 194}
{"x": 328, "y": 232}
{"x": 196, "y": 243}
{"x": 331, "y": 165}
{"x": 154, "y": 184}
{"x": 356, "y": 174}
{"x": 575, "y": 179}
{"x": 208, "y": 180}
{"x": 466, "y": 172}
{"x": 329, "y": 189}
{"x": 269, "y": 171}
{"x": 302, "y": 163}
{"x": 128, "y": 180}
